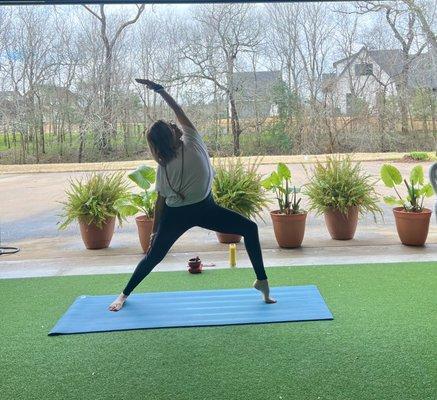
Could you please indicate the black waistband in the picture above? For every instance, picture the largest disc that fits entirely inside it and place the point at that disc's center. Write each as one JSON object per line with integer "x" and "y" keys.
{"x": 207, "y": 200}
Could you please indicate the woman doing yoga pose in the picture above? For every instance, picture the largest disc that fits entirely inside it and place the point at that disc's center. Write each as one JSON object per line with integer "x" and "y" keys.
{"x": 183, "y": 182}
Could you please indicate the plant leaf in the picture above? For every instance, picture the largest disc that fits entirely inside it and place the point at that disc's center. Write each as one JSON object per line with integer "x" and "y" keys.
{"x": 390, "y": 175}
{"x": 137, "y": 199}
{"x": 276, "y": 179}
{"x": 392, "y": 201}
{"x": 427, "y": 190}
{"x": 143, "y": 176}
{"x": 283, "y": 171}
{"x": 126, "y": 206}
{"x": 416, "y": 175}
{"x": 267, "y": 183}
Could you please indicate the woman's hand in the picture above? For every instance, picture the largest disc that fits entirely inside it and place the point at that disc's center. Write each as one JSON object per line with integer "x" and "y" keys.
{"x": 150, "y": 84}
{"x": 180, "y": 115}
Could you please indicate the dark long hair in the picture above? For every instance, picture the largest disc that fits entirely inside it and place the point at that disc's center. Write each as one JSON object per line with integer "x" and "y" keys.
{"x": 161, "y": 138}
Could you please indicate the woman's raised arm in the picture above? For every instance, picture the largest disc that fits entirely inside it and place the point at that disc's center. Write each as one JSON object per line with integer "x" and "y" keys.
{"x": 179, "y": 112}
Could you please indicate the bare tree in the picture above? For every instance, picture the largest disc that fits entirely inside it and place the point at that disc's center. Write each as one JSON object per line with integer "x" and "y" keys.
{"x": 67, "y": 89}
{"x": 426, "y": 18}
{"x": 402, "y": 22}
{"x": 283, "y": 41}
{"x": 316, "y": 27}
{"x": 30, "y": 63}
{"x": 157, "y": 40}
{"x": 109, "y": 40}
{"x": 221, "y": 34}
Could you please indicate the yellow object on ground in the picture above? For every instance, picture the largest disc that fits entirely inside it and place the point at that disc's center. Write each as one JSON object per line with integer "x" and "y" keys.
{"x": 233, "y": 255}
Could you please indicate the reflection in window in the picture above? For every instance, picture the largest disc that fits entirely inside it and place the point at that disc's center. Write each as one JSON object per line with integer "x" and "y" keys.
{"x": 364, "y": 69}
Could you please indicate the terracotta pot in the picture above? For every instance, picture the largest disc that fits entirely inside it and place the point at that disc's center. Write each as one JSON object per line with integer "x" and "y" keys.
{"x": 145, "y": 226}
{"x": 228, "y": 237}
{"x": 97, "y": 238}
{"x": 412, "y": 227}
{"x": 194, "y": 265}
{"x": 342, "y": 226}
{"x": 289, "y": 229}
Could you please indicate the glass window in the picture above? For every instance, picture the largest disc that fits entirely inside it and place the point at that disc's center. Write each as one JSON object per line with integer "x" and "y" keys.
{"x": 363, "y": 69}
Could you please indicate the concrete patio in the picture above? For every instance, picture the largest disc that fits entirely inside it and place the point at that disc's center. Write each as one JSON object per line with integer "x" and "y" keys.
{"x": 29, "y": 211}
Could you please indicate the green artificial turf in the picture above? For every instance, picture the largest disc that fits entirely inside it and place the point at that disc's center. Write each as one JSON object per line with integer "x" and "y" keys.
{"x": 381, "y": 344}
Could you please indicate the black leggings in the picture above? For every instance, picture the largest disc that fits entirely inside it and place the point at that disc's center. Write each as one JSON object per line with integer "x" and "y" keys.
{"x": 206, "y": 214}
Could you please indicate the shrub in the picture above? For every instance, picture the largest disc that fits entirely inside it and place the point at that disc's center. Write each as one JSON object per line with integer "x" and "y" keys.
{"x": 238, "y": 187}
{"x": 340, "y": 184}
{"x": 272, "y": 140}
{"x": 419, "y": 155}
{"x": 417, "y": 188}
{"x": 92, "y": 199}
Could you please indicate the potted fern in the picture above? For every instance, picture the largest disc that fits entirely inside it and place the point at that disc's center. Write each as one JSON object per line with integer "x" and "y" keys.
{"x": 341, "y": 190}
{"x": 289, "y": 220}
{"x": 91, "y": 202}
{"x": 142, "y": 202}
{"x": 238, "y": 187}
{"x": 412, "y": 218}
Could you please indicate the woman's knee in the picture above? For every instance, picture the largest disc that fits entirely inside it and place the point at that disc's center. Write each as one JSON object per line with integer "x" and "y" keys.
{"x": 153, "y": 257}
{"x": 251, "y": 228}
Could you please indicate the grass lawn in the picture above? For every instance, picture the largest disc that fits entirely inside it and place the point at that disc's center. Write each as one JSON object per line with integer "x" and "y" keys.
{"x": 381, "y": 344}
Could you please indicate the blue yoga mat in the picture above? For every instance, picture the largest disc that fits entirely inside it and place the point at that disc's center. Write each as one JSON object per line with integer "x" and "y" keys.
{"x": 194, "y": 308}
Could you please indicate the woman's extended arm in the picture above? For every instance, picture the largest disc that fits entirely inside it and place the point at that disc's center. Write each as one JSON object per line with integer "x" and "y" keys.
{"x": 180, "y": 114}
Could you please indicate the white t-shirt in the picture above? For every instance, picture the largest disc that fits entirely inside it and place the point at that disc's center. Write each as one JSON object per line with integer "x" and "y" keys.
{"x": 198, "y": 172}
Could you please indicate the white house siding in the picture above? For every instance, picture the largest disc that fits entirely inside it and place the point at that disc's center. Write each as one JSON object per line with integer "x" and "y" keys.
{"x": 364, "y": 87}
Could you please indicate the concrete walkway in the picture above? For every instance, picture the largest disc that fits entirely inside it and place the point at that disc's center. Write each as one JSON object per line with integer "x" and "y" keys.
{"x": 129, "y": 165}
{"x": 29, "y": 211}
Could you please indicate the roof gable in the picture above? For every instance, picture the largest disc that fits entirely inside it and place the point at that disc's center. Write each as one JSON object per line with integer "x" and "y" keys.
{"x": 256, "y": 84}
{"x": 422, "y": 72}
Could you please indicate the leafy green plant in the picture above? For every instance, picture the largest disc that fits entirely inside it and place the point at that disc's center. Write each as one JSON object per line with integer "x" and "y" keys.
{"x": 417, "y": 188}
{"x": 340, "y": 184}
{"x": 92, "y": 199}
{"x": 144, "y": 201}
{"x": 279, "y": 182}
{"x": 238, "y": 187}
{"x": 419, "y": 155}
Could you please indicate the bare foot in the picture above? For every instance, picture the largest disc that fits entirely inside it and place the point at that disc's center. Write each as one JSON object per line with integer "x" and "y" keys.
{"x": 263, "y": 287}
{"x": 118, "y": 303}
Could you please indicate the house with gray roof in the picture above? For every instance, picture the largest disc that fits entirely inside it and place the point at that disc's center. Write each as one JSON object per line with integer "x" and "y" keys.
{"x": 369, "y": 73}
{"x": 254, "y": 93}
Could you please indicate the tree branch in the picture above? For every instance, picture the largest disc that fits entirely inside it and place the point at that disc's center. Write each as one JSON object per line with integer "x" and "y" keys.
{"x": 127, "y": 23}
{"x": 92, "y": 12}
